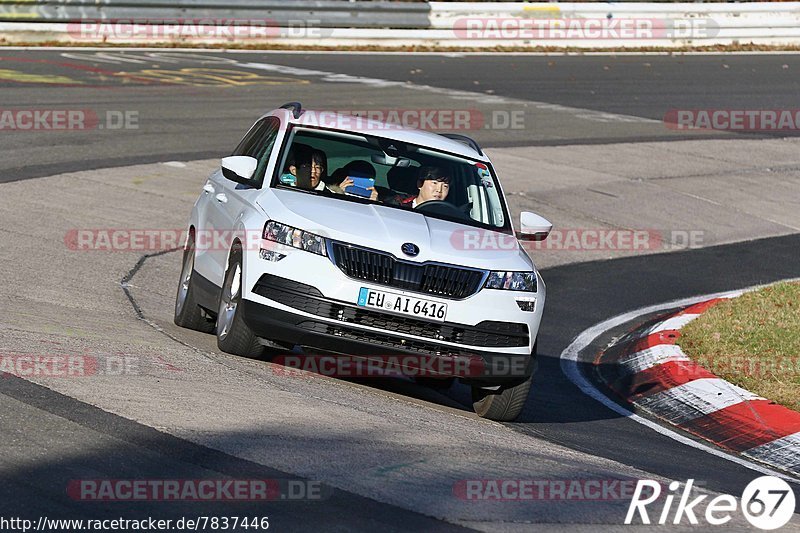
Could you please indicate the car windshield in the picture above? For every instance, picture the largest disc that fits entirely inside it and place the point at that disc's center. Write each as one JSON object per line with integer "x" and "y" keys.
{"x": 361, "y": 168}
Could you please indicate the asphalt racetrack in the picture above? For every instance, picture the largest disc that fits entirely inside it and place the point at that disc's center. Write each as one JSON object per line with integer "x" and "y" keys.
{"x": 581, "y": 140}
{"x": 193, "y": 105}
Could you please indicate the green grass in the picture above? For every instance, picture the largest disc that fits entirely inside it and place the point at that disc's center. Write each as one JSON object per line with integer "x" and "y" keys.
{"x": 752, "y": 341}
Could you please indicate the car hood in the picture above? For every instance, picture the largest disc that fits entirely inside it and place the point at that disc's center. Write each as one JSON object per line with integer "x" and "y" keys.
{"x": 388, "y": 228}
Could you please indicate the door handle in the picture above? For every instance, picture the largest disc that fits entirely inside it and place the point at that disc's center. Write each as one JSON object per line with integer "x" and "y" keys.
{"x": 208, "y": 188}
{"x": 221, "y": 198}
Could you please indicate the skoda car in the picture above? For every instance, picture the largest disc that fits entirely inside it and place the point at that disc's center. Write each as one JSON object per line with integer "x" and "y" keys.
{"x": 316, "y": 236}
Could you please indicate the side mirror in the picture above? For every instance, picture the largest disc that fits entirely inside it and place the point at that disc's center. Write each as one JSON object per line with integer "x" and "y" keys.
{"x": 239, "y": 168}
{"x": 533, "y": 227}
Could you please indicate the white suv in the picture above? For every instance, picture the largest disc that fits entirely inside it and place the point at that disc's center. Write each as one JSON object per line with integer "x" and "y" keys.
{"x": 330, "y": 234}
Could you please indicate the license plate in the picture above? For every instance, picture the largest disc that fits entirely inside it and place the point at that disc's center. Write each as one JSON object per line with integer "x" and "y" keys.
{"x": 397, "y": 303}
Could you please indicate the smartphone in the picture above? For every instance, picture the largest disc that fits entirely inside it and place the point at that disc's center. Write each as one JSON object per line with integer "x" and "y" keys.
{"x": 360, "y": 186}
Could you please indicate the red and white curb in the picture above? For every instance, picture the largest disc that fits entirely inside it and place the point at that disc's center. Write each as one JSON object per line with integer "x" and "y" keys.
{"x": 649, "y": 370}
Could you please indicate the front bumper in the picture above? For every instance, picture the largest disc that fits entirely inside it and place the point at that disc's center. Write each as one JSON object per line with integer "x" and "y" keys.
{"x": 318, "y": 336}
{"x": 328, "y": 280}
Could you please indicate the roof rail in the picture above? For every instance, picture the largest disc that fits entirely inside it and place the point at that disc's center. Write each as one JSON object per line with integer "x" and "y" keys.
{"x": 295, "y": 107}
{"x": 469, "y": 141}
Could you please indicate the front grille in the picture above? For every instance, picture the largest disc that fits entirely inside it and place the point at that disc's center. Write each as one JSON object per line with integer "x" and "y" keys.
{"x": 384, "y": 269}
{"x": 306, "y": 298}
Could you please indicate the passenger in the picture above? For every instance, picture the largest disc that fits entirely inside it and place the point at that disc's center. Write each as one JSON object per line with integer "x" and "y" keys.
{"x": 358, "y": 168}
{"x": 433, "y": 184}
{"x": 306, "y": 161}
{"x": 303, "y": 161}
{"x": 318, "y": 162}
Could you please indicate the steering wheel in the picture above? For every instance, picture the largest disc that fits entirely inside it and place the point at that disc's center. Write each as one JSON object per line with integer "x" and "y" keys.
{"x": 441, "y": 207}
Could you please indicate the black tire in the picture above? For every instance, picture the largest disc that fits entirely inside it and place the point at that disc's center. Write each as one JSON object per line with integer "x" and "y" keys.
{"x": 506, "y": 403}
{"x": 233, "y": 335}
{"x": 187, "y": 313}
{"x": 503, "y": 405}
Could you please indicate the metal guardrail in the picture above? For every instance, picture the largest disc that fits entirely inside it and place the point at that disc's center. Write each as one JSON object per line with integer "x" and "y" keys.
{"x": 675, "y": 24}
{"x": 321, "y": 13}
{"x": 400, "y": 24}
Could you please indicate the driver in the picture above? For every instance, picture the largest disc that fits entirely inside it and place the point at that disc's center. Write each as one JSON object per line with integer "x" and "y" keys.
{"x": 433, "y": 184}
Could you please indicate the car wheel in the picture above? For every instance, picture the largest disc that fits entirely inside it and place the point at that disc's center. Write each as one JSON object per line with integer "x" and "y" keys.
{"x": 502, "y": 405}
{"x": 187, "y": 313}
{"x": 233, "y": 335}
{"x": 506, "y": 403}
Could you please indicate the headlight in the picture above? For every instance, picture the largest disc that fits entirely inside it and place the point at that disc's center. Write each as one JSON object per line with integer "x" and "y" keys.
{"x": 512, "y": 281}
{"x": 296, "y": 238}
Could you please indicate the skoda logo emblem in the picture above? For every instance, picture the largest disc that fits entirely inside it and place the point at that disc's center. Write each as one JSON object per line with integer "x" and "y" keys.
{"x": 410, "y": 249}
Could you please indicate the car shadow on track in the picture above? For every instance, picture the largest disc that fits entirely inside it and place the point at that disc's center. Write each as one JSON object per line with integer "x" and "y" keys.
{"x": 552, "y": 387}
{"x": 544, "y": 405}
{"x": 437, "y": 394}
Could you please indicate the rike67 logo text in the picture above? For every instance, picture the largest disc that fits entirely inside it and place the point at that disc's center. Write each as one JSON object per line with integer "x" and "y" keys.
{"x": 767, "y": 502}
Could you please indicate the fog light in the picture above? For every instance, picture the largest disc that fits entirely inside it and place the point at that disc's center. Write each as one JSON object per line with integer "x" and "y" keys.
{"x": 270, "y": 255}
{"x": 528, "y": 305}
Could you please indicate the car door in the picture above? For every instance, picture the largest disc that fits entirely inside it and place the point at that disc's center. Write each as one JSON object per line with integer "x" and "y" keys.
{"x": 235, "y": 200}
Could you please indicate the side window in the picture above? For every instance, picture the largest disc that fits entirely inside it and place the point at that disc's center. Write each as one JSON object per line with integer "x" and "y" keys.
{"x": 258, "y": 144}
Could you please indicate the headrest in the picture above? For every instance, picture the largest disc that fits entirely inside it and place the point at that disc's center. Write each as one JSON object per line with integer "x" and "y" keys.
{"x": 403, "y": 179}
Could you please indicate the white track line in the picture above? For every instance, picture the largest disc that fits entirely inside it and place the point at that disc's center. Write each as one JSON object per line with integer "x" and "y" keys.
{"x": 456, "y": 94}
{"x": 378, "y": 83}
{"x": 569, "y": 365}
